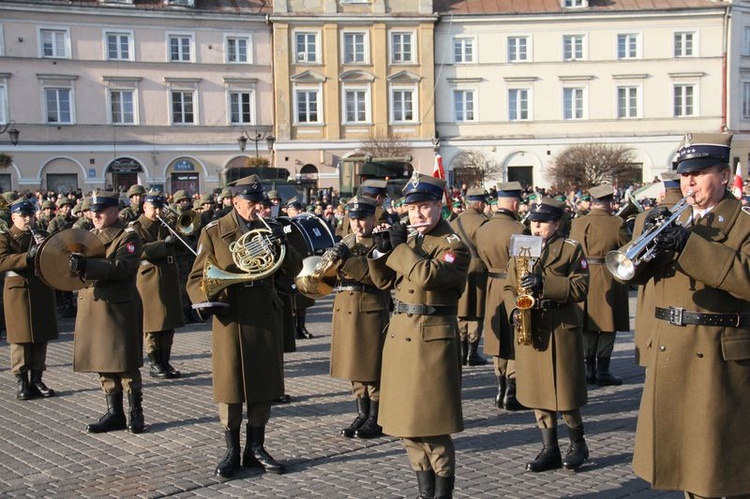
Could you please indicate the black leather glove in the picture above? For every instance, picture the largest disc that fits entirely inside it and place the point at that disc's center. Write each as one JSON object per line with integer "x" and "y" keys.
{"x": 660, "y": 212}
{"x": 31, "y": 254}
{"x": 673, "y": 238}
{"x": 77, "y": 263}
{"x": 397, "y": 233}
{"x": 532, "y": 281}
{"x": 170, "y": 240}
{"x": 278, "y": 234}
{"x": 382, "y": 241}
{"x": 342, "y": 251}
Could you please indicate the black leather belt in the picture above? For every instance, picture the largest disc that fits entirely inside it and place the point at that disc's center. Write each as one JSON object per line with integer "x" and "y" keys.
{"x": 549, "y": 304}
{"x": 356, "y": 287}
{"x": 498, "y": 275}
{"x": 400, "y": 307}
{"x": 679, "y": 317}
{"x": 595, "y": 260}
{"x": 261, "y": 283}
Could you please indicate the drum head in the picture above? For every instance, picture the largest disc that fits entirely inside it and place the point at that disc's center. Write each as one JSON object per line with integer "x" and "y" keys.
{"x": 52, "y": 258}
{"x": 308, "y": 234}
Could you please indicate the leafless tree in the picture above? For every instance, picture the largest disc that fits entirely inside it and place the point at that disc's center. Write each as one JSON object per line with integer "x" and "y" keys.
{"x": 385, "y": 147}
{"x": 475, "y": 167}
{"x": 586, "y": 165}
{"x": 256, "y": 162}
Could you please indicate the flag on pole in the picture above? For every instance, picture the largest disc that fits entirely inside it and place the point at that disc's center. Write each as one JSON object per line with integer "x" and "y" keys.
{"x": 737, "y": 185}
{"x": 438, "y": 171}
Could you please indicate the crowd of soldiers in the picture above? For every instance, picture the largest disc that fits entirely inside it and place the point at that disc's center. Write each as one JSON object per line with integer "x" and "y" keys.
{"x": 416, "y": 288}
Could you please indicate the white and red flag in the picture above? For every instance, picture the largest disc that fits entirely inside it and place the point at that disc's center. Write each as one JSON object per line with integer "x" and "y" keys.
{"x": 737, "y": 185}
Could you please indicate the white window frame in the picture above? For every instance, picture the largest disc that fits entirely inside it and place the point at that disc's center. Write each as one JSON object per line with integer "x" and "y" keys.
{"x": 2, "y": 41}
{"x": 41, "y": 30}
{"x": 638, "y": 89}
{"x": 575, "y": 4}
{"x": 745, "y": 100}
{"x": 252, "y": 100}
{"x": 194, "y": 93}
{"x": 682, "y": 106}
{"x": 316, "y": 56}
{"x": 518, "y": 109}
{"x": 395, "y": 88}
{"x": 248, "y": 39}
{"x": 316, "y": 89}
{"x": 59, "y": 87}
{"x": 683, "y": 34}
{"x": 118, "y": 32}
{"x": 574, "y": 110}
{"x": 746, "y": 41}
{"x": 367, "y": 101}
{"x": 365, "y": 49}
{"x": 191, "y": 45}
{"x": 412, "y": 44}
{"x": 572, "y": 41}
{"x": 110, "y": 114}
{"x": 4, "y": 110}
{"x": 465, "y": 41}
{"x": 632, "y": 42}
{"x": 512, "y": 46}
{"x": 474, "y": 107}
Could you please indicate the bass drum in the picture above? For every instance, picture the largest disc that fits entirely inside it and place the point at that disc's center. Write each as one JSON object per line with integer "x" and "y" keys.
{"x": 308, "y": 234}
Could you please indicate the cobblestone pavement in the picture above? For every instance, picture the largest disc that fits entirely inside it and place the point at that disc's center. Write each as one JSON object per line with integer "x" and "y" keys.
{"x": 44, "y": 450}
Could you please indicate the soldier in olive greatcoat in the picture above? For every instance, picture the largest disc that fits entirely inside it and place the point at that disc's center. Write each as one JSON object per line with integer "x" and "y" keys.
{"x": 247, "y": 332}
{"x": 605, "y": 310}
{"x": 135, "y": 208}
{"x": 360, "y": 314}
{"x": 158, "y": 283}
{"x": 420, "y": 384}
{"x": 692, "y": 432}
{"x": 85, "y": 221}
{"x": 28, "y": 303}
{"x": 493, "y": 247}
{"x": 109, "y": 323}
{"x": 64, "y": 218}
{"x": 551, "y": 372}
{"x": 45, "y": 214}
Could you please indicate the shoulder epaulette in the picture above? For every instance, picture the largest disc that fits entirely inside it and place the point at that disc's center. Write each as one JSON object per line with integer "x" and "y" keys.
{"x": 211, "y": 224}
{"x": 571, "y": 241}
{"x": 129, "y": 229}
{"x": 746, "y": 209}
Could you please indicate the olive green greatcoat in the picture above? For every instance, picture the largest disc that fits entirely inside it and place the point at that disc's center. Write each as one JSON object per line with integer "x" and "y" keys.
{"x": 493, "y": 246}
{"x": 420, "y": 382}
{"x": 692, "y": 424}
{"x": 471, "y": 303}
{"x": 29, "y": 304}
{"x": 109, "y": 323}
{"x": 550, "y": 372}
{"x": 359, "y": 319}
{"x": 247, "y": 336}
{"x": 606, "y": 305}
{"x": 158, "y": 278}
{"x": 60, "y": 223}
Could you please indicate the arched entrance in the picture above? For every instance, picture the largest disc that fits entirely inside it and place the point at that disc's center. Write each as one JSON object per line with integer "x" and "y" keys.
{"x": 60, "y": 175}
{"x": 184, "y": 175}
{"x": 122, "y": 173}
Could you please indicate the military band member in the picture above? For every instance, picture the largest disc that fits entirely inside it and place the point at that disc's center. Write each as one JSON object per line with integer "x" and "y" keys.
{"x": 360, "y": 314}
{"x": 158, "y": 283}
{"x": 185, "y": 257}
{"x": 247, "y": 334}
{"x": 64, "y": 219}
{"x": 692, "y": 428}
{"x": 471, "y": 303}
{"x": 28, "y": 303}
{"x": 109, "y": 324}
{"x": 420, "y": 385}
{"x": 605, "y": 310}
{"x": 85, "y": 222}
{"x": 131, "y": 212}
{"x": 551, "y": 373}
{"x": 493, "y": 247}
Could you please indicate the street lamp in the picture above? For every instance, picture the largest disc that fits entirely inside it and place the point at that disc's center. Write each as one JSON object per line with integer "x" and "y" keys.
{"x": 12, "y": 132}
{"x": 436, "y": 142}
{"x": 265, "y": 135}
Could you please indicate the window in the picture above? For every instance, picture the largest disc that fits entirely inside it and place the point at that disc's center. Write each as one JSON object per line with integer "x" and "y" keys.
{"x": 403, "y": 102}
{"x": 356, "y": 105}
{"x": 183, "y": 109}
{"x": 627, "y": 46}
{"x": 573, "y": 47}
{"x": 463, "y": 105}
{"x": 119, "y": 46}
{"x": 306, "y": 46}
{"x": 518, "y": 48}
{"x": 2, "y": 41}
{"x": 3, "y": 102}
{"x": 745, "y": 100}
{"x": 575, "y": 3}
{"x": 463, "y": 50}
{"x": 308, "y": 105}
{"x": 683, "y": 44}
{"x": 402, "y": 50}
{"x": 180, "y": 48}
{"x": 627, "y": 102}
{"x": 745, "y": 45}
{"x": 238, "y": 49}
{"x": 684, "y": 104}
{"x": 518, "y": 104}
{"x": 122, "y": 107}
{"x": 59, "y": 105}
{"x": 241, "y": 107}
{"x": 355, "y": 48}
{"x": 573, "y": 103}
{"x": 55, "y": 43}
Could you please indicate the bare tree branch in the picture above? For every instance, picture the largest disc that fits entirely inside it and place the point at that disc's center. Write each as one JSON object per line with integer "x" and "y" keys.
{"x": 481, "y": 168}
{"x": 385, "y": 147}
{"x": 587, "y": 165}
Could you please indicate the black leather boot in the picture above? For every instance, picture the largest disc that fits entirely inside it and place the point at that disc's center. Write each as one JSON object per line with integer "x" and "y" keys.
{"x": 255, "y": 455}
{"x": 302, "y": 332}
{"x": 135, "y": 421}
{"x": 549, "y": 458}
{"x": 464, "y": 352}
{"x": 603, "y": 376}
{"x": 578, "y": 451}
{"x": 24, "y": 388}
{"x": 113, "y": 419}
{"x": 371, "y": 428}
{"x": 510, "y": 402}
{"x": 172, "y": 373}
{"x": 426, "y": 482}
{"x": 363, "y": 410}
{"x": 444, "y": 486}
{"x": 157, "y": 369}
{"x": 230, "y": 463}
{"x": 501, "y": 384}
{"x": 38, "y": 385}
{"x": 591, "y": 370}
{"x": 474, "y": 358}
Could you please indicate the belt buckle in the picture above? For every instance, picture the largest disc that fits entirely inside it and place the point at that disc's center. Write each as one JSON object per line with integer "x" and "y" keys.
{"x": 170, "y": 259}
{"x": 675, "y": 315}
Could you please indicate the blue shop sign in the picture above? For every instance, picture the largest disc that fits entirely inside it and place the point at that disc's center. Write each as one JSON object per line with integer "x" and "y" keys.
{"x": 184, "y": 166}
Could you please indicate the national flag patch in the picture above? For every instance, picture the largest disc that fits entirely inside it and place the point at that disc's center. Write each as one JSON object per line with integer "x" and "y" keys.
{"x": 584, "y": 264}
{"x": 449, "y": 257}
{"x": 131, "y": 248}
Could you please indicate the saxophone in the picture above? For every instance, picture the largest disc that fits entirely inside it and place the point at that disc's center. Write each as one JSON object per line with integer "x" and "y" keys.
{"x": 524, "y": 299}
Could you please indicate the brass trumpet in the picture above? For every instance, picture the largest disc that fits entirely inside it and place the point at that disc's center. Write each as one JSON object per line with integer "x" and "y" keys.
{"x": 186, "y": 223}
